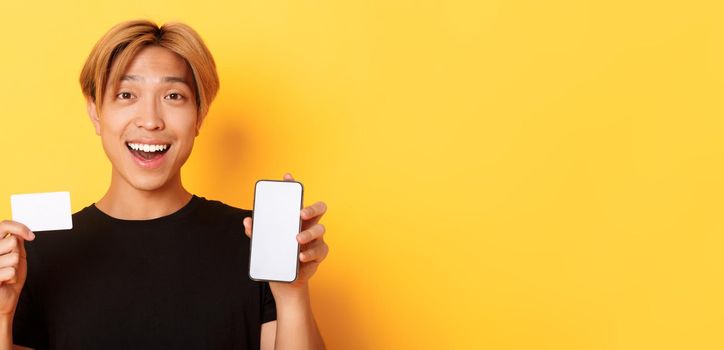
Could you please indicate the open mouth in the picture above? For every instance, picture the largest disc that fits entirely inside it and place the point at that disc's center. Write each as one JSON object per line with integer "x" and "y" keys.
{"x": 147, "y": 152}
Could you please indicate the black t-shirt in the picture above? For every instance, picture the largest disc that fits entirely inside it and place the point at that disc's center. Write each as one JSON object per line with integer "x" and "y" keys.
{"x": 175, "y": 282}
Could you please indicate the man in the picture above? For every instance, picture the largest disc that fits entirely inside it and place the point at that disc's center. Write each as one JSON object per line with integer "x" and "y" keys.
{"x": 150, "y": 265}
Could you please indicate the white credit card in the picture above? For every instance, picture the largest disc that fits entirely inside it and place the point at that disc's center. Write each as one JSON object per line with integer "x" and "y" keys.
{"x": 42, "y": 211}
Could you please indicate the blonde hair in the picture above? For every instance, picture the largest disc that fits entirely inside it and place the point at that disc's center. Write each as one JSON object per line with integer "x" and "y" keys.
{"x": 120, "y": 44}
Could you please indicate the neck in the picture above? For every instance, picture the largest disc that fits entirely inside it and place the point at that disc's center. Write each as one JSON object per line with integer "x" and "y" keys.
{"x": 124, "y": 201}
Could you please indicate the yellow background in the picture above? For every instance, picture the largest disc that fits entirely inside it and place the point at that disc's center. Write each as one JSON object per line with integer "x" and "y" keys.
{"x": 500, "y": 174}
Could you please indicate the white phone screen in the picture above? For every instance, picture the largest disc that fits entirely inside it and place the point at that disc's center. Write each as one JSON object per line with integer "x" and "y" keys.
{"x": 274, "y": 247}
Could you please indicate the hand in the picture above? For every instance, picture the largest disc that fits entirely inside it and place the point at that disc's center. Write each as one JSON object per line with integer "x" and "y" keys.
{"x": 13, "y": 263}
{"x": 313, "y": 248}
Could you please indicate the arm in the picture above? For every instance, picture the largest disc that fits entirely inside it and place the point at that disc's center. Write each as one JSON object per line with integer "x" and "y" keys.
{"x": 268, "y": 335}
{"x": 6, "y": 332}
{"x": 295, "y": 326}
{"x": 6, "y": 335}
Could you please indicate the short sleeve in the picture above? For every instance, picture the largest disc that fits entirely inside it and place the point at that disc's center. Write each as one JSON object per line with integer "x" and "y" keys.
{"x": 28, "y": 324}
{"x": 269, "y": 306}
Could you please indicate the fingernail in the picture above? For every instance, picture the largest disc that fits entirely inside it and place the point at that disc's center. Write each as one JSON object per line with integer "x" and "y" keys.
{"x": 32, "y": 235}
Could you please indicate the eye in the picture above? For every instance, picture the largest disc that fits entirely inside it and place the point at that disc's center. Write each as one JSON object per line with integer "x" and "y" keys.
{"x": 124, "y": 95}
{"x": 174, "y": 96}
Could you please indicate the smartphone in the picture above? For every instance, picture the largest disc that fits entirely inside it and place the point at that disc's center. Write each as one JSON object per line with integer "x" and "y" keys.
{"x": 276, "y": 222}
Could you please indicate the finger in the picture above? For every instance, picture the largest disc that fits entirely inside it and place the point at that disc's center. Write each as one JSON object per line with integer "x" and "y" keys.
{"x": 16, "y": 228}
{"x": 288, "y": 177}
{"x": 8, "y": 244}
{"x": 308, "y": 269}
{"x": 247, "y": 226}
{"x": 314, "y": 211}
{"x": 9, "y": 259}
{"x": 311, "y": 234}
{"x": 7, "y": 273}
{"x": 312, "y": 214}
{"x": 316, "y": 252}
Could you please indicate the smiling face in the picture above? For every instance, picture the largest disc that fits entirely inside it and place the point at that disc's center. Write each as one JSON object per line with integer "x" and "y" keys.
{"x": 148, "y": 123}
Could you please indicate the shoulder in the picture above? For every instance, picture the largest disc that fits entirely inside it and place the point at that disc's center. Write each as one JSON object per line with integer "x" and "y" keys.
{"x": 217, "y": 215}
{"x": 216, "y": 209}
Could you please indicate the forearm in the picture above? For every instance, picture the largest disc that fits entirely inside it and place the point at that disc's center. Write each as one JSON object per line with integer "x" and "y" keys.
{"x": 6, "y": 333}
{"x": 296, "y": 328}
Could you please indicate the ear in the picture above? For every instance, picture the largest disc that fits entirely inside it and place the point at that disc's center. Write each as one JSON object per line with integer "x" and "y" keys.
{"x": 93, "y": 114}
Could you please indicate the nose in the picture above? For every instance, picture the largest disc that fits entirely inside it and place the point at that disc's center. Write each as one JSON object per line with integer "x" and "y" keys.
{"x": 149, "y": 116}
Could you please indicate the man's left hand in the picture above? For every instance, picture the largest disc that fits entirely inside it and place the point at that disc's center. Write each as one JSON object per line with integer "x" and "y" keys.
{"x": 313, "y": 249}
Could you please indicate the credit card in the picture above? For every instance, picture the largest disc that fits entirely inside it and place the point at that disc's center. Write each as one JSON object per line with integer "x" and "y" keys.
{"x": 42, "y": 211}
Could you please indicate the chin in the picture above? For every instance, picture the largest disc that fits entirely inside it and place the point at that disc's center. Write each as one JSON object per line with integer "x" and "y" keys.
{"x": 146, "y": 182}
{"x": 148, "y": 185}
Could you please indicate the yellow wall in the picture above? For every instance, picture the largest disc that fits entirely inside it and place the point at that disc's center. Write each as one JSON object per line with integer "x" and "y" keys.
{"x": 500, "y": 174}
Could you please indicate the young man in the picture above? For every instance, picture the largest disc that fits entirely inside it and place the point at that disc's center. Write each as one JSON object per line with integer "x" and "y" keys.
{"x": 150, "y": 265}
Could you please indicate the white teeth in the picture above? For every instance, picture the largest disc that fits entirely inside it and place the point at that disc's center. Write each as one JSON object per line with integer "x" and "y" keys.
{"x": 147, "y": 148}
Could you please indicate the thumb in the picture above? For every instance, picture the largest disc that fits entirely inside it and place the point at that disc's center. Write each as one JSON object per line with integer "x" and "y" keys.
{"x": 247, "y": 226}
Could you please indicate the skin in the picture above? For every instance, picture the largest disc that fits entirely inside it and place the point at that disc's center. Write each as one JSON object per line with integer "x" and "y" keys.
{"x": 156, "y": 101}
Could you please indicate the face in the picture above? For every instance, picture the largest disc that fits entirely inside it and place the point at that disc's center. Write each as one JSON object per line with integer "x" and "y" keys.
{"x": 149, "y": 122}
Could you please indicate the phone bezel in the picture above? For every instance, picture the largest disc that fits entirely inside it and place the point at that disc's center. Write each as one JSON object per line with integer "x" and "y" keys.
{"x": 301, "y": 204}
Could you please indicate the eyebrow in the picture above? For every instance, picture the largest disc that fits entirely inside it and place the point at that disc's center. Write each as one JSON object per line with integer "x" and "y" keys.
{"x": 169, "y": 79}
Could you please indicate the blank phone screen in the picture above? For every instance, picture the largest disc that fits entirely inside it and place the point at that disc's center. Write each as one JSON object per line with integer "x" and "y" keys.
{"x": 274, "y": 246}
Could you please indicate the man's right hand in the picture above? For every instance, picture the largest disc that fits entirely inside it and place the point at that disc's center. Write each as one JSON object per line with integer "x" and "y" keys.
{"x": 13, "y": 264}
